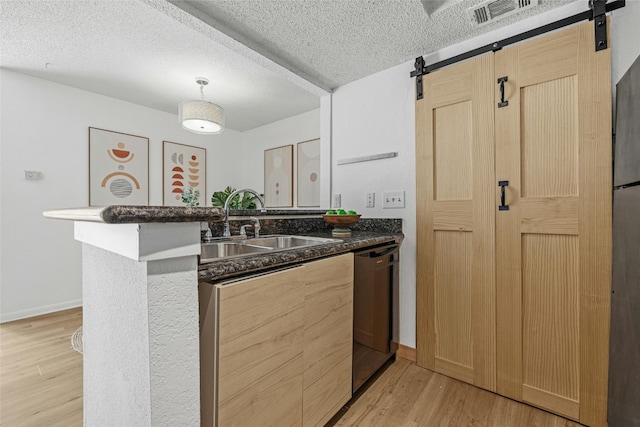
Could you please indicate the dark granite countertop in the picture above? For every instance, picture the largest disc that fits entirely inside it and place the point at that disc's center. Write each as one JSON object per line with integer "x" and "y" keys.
{"x": 122, "y": 214}
{"x": 276, "y": 212}
{"x": 231, "y": 267}
{"x": 138, "y": 214}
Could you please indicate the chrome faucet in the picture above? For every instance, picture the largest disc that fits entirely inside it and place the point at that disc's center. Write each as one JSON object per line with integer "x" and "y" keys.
{"x": 209, "y": 235}
{"x": 256, "y": 226}
{"x": 243, "y": 229}
{"x": 227, "y": 232}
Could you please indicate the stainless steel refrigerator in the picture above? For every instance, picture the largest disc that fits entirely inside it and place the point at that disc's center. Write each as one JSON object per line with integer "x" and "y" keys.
{"x": 624, "y": 356}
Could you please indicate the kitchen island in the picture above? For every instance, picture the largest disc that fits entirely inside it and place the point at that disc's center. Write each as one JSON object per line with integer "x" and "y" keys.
{"x": 140, "y": 299}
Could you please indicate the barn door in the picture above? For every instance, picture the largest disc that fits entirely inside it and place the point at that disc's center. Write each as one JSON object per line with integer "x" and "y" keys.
{"x": 553, "y": 146}
{"x": 513, "y": 255}
{"x": 455, "y": 223}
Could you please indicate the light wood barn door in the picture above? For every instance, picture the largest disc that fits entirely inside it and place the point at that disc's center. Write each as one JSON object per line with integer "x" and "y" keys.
{"x": 553, "y": 145}
{"x": 455, "y": 223}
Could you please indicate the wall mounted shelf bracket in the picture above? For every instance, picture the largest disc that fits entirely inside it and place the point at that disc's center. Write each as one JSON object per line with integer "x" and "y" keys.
{"x": 368, "y": 158}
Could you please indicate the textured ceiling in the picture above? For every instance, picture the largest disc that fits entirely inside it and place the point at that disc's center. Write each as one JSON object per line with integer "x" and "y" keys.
{"x": 333, "y": 42}
{"x": 266, "y": 59}
{"x": 148, "y": 53}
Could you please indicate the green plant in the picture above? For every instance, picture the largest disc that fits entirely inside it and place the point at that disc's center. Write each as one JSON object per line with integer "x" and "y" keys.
{"x": 242, "y": 200}
{"x": 190, "y": 197}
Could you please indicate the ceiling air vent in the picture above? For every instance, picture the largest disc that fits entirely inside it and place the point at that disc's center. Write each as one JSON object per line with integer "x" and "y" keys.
{"x": 492, "y": 10}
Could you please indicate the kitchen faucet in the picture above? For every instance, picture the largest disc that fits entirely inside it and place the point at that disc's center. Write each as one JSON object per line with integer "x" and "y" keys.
{"x": 227, "y": 232}
{"x": 256, "y": 227}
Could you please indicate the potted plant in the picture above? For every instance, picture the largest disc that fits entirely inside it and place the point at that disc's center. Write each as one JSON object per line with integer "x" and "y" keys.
{"x": 243, "y": 200}
{"x": 190, "y": 197}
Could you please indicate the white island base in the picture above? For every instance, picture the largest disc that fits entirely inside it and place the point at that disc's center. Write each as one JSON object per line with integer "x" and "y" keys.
{"x": 140, "y": 323}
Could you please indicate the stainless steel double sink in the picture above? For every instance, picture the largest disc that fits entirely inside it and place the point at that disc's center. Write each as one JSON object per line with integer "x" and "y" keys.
{"x": 219, "y": 249}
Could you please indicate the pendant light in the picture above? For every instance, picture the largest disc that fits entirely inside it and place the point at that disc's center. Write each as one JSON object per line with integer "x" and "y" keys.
{"x": 201, "y": 116}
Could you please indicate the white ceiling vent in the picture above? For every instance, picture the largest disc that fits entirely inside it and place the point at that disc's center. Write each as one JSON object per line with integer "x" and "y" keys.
{"x": 492, "y": 10}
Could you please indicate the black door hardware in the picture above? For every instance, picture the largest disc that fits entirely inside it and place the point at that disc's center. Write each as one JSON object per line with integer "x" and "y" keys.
{"x": 501, "y": 82}
{"x": 502, "y": 185}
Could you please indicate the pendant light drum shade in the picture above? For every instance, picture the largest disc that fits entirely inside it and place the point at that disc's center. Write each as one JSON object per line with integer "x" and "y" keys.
{"x": 201, "y": 116}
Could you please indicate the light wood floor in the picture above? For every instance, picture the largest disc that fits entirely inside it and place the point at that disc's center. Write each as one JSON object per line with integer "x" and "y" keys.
{"x": 40, "y": 373}
{"x": 41, "y": 385}
{"x": 406, "y": 395}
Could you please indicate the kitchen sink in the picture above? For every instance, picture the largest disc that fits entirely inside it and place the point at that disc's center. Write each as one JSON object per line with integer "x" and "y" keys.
{"x": 287, "y": 242}
{"x": 216, "y": 250}
{"x": 212, "y": 251}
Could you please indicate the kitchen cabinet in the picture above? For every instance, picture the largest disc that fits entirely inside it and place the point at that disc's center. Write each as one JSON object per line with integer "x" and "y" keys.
{"x": 260, "y": 337}
{"x": 328, "y": 337}
{"x": 514, "y": 223}
{"x": 276, "y": 348}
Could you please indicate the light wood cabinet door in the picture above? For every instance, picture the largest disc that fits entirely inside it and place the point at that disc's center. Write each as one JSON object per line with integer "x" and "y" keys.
{"x": 455, "y": 223}
{"x": 553, "y": 145}
{"x": 260, "y": 344}
{"x": 282, "y": 343}
{"x": 328, "y": 337}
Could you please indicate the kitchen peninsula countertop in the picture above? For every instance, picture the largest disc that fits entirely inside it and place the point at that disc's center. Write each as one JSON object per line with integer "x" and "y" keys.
{"x": 230, "y": 267}
{"x": 137, "y": 214}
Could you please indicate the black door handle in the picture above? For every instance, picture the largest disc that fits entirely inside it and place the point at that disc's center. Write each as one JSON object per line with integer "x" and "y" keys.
{"x": 501, "y": 82}
{"x": 502, "y": 185}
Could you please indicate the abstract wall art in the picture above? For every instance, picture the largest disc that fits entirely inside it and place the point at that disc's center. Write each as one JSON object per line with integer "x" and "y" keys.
{"x": 118, "y": 168}
{"x": 278, "y": 177}
{"x": 183, "y": 166}
{"x": 308, "y": 182}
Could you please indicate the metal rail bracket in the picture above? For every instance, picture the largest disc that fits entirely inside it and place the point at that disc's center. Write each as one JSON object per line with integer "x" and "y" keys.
{"x": 599, "y": 9}
{"x": 418, "y": 73}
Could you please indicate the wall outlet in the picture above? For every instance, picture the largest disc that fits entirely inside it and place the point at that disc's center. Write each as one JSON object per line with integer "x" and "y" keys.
{"x": 371, "y": 200}
{"x": 337, "y": 200}
{"x": 393, "y": 199}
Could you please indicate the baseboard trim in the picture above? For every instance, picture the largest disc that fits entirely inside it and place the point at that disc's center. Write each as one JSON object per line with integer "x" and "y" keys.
{"x": 407, "y": 352}
{"x": 37, "y": 311}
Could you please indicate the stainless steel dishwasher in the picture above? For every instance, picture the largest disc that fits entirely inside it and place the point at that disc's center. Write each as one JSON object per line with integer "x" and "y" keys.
{"x": 375, "y": 310}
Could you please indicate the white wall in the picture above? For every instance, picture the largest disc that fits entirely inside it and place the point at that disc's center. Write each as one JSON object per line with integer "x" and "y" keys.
{"x": 289, "y": 131}
{"x": 625, "y": 38}
{"x": 371, "y": 116}
{"x": 45, "y": 128}
{"x": 376, "y": 114}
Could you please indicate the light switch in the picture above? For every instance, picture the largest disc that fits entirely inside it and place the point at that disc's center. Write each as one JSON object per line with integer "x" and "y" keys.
{"x": 393, "y": 199}
{"x": 32, "y": 175}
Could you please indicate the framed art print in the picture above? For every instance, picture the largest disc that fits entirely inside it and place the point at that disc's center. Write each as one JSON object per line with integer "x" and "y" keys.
{"x": 183, "y": 166}
{"x": 308, "y": 182}
{"x": 278, "y": 177}
{"x": 118, "y": 168}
